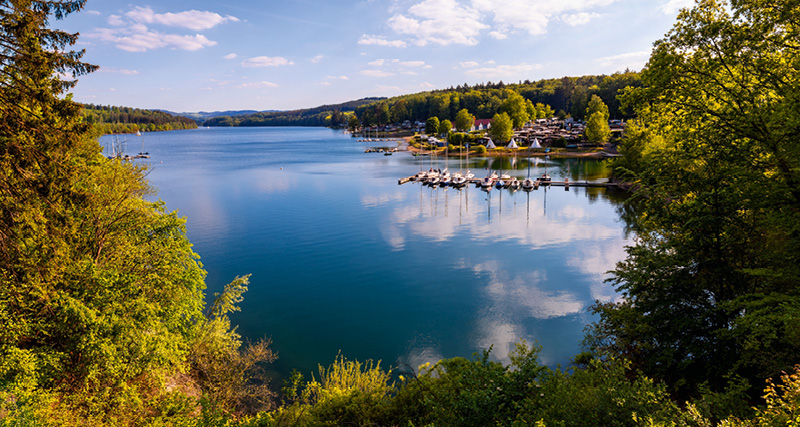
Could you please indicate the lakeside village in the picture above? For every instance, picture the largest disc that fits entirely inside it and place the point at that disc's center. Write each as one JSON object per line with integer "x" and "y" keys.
{"x": 542, "y": 137}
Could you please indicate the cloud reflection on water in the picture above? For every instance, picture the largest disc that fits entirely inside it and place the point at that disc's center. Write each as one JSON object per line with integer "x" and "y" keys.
{"x": 514, "y": 300}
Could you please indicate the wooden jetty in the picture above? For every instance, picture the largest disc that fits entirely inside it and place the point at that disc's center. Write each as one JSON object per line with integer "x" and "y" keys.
{"x": 536, "y": 184}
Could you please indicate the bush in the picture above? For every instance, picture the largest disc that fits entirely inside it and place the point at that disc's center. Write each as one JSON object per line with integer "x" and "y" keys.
{"x": 480, "y": 149}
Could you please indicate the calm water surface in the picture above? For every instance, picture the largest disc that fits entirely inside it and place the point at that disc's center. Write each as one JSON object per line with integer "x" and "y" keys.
{"x": 344, "y": 259}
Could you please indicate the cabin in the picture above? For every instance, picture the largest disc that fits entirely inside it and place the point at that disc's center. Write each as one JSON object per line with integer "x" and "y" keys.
{"x": 481, "y": 124}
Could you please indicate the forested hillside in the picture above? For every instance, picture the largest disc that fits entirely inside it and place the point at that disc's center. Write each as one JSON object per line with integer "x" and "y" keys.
{"x": 111, "y": 119}
{"x": 567, "y": 96}
{"x": 324, "y": 115}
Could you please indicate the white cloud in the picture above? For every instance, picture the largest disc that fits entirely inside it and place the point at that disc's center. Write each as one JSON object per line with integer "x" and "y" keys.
{"x": 266, "y": 61}
{"x": 415, "y": 64}
{"x": 115, "y": 20}
{"x": 192, "y": 19}
{"x": 380, "y": 41}
{"x": 92, "y": 12}
{"x": 387, "y": 89}
{"x": 632, "y": 60}
{"x": 325, "y": 83}
{"x": 132, "y": 33}
{"x": 673, "y": 6}
{"x": 118, "y": 71}
{"x": 468, "y": 64}
{"x": 508, "y": 72}
{"x": 533, "y": 16}
{"x": 375, "y": 73}
{"x": 446, "y": 22}
{"x": 257, "y": 85}
{"x": 441, "y": 22}
{"x": 581, "y": 18}
{"x": 142, "y": 41}
{"x": 317, "y": 59}
{"x": 337, "y": 78}
{"x": 230, "y": 56}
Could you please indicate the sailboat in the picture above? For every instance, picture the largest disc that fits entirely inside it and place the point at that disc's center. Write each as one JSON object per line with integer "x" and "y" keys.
{"x": 142, "y": 154}
{"x": 469, "y": 175}
{"x": 444, "y": 179}
{"x": 527, "y": 183}
{"x": 458, "y": 180}
{"x": 545, "y": 178}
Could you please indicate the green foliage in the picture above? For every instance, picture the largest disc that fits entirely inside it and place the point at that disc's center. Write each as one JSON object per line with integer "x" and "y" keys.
{"x": 713, "y": 282}
{"x": 517, "y": 109}
{"x": 502, "y": 129}
{"x": 601, "y": 394}
{"x": 539, "y": 99}
{"x": 109, "y": 120}
{"x": 101, "y": 295}
{"x": 445, "y": 127}
{"x": 464, "y": 120}
{"x": 481, "y": 149}
{"x": 353, "y": 123}
{"x": 597, "y": 129}
{"x": 432, "y": 125}
{"x": 347, "y": 393}
{"x": 231, "y": 378}
{"x": 596, "y": 105}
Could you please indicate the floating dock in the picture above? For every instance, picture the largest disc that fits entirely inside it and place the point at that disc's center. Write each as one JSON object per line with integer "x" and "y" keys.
{"x": 536, "y": 184}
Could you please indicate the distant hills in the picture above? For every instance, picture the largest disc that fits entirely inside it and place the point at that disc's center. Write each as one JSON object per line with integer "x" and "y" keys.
{"x": 324, "y": 115}
{"x": 202, "y": 116}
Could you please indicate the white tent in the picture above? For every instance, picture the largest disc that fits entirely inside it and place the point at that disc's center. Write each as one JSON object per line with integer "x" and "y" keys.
{"x": 512, "y": 144}
{"x": 490, "y": 144}
{"x": 536, "y": 143}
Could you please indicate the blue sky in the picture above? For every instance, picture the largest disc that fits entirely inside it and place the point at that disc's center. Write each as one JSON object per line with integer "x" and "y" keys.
{"x": 205, "y": 55}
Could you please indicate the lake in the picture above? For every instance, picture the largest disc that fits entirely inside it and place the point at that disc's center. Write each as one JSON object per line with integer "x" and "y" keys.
{"x": 343, "y": 259}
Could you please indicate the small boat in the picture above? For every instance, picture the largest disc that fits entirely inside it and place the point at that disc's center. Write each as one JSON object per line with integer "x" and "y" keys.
{"x": 544, "y": 178}
{"x": 459, "y": 181}
{"x": 488, "y": 180}
{"x": 527, "y": 184}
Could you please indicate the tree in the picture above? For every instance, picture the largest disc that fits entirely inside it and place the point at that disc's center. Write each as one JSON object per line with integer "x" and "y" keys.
{"x": 101, "y": 295}
{"x": 464, "y": 120}
{"x": 445, "y": 126}
{"x": 353, "y": 123}
{"x": 432, "y": 125}
{"x": 597, "y": 129}
{"x": 502, "y": 129}
{"x": 399, "y": 111}
{"x": 712, "y": 287}
{"x": 514, "y": 105}
{"x": 596, "y": 105}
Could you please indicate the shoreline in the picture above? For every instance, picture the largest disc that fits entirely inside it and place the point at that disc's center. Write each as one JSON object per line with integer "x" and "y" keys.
{"x": 598, "y": 154}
